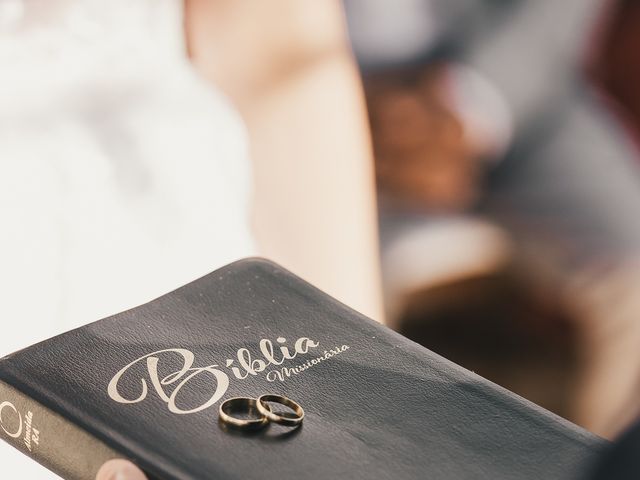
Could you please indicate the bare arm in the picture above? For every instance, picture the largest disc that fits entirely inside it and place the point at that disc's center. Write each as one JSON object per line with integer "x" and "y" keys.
{"x": 287, "y": 66}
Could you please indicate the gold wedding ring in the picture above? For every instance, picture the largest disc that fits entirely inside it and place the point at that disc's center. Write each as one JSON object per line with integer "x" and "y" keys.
{"x": 245, "y": 406}
{"x": 290, "y": 420}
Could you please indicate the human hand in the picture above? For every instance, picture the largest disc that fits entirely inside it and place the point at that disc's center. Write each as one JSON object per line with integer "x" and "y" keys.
{"x": 423, "y": 156}
{"x": 120, "y": 470}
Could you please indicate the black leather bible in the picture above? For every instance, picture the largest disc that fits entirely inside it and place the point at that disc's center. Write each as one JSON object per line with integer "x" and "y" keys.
{"x": 146, "y": 385}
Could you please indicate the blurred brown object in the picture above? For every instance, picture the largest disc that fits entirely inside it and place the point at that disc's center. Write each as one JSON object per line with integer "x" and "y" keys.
{"x": 570, "y": 343}
{"x": 423, "y": 161}
{"x": 507, "y": 328}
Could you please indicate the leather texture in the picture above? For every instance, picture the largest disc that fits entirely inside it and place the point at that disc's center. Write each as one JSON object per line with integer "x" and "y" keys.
{"x": 385, "y": 408}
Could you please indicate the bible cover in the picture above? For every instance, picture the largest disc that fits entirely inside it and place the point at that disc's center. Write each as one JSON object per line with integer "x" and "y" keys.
{"x": 146, "y": 385}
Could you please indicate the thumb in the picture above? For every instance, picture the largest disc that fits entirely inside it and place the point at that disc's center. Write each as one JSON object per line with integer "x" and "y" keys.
{"x": 120, "y": 470}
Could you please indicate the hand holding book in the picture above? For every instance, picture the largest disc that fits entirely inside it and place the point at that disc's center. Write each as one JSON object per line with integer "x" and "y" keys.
{"x": 145, "y": 385}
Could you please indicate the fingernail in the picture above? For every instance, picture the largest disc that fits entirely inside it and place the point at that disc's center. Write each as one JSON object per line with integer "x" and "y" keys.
{"x": 120, "y": 470}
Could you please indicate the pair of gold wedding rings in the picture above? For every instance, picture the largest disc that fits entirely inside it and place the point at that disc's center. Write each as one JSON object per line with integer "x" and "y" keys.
{"x": 234, "y": 410}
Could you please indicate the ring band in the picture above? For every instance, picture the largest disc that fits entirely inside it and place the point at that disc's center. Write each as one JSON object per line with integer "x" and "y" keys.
{"x": 244, "y": 405}
{"x": 290, "y": 421}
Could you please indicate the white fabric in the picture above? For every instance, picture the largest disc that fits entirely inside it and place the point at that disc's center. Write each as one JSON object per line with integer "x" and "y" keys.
{"x": 123, "y": 174}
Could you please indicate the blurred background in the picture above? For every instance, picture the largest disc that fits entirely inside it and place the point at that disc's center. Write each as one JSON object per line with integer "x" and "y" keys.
{"x": 465, "y": 171}
{"x": 505, "y": 140}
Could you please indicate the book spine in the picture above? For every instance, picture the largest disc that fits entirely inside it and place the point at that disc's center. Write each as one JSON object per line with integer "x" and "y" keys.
{"x": 49, "y": 438}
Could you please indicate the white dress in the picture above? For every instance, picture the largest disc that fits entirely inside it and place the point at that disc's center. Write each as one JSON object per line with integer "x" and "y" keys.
{"x": 123, "y": 174}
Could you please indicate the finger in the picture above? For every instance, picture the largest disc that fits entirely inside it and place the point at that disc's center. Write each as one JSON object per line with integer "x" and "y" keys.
{"x": 120, "y": 470}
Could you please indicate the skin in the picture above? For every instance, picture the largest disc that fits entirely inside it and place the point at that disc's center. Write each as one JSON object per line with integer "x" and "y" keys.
{"x": 120, "y": 470}
{"x": 287, "y": 67}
